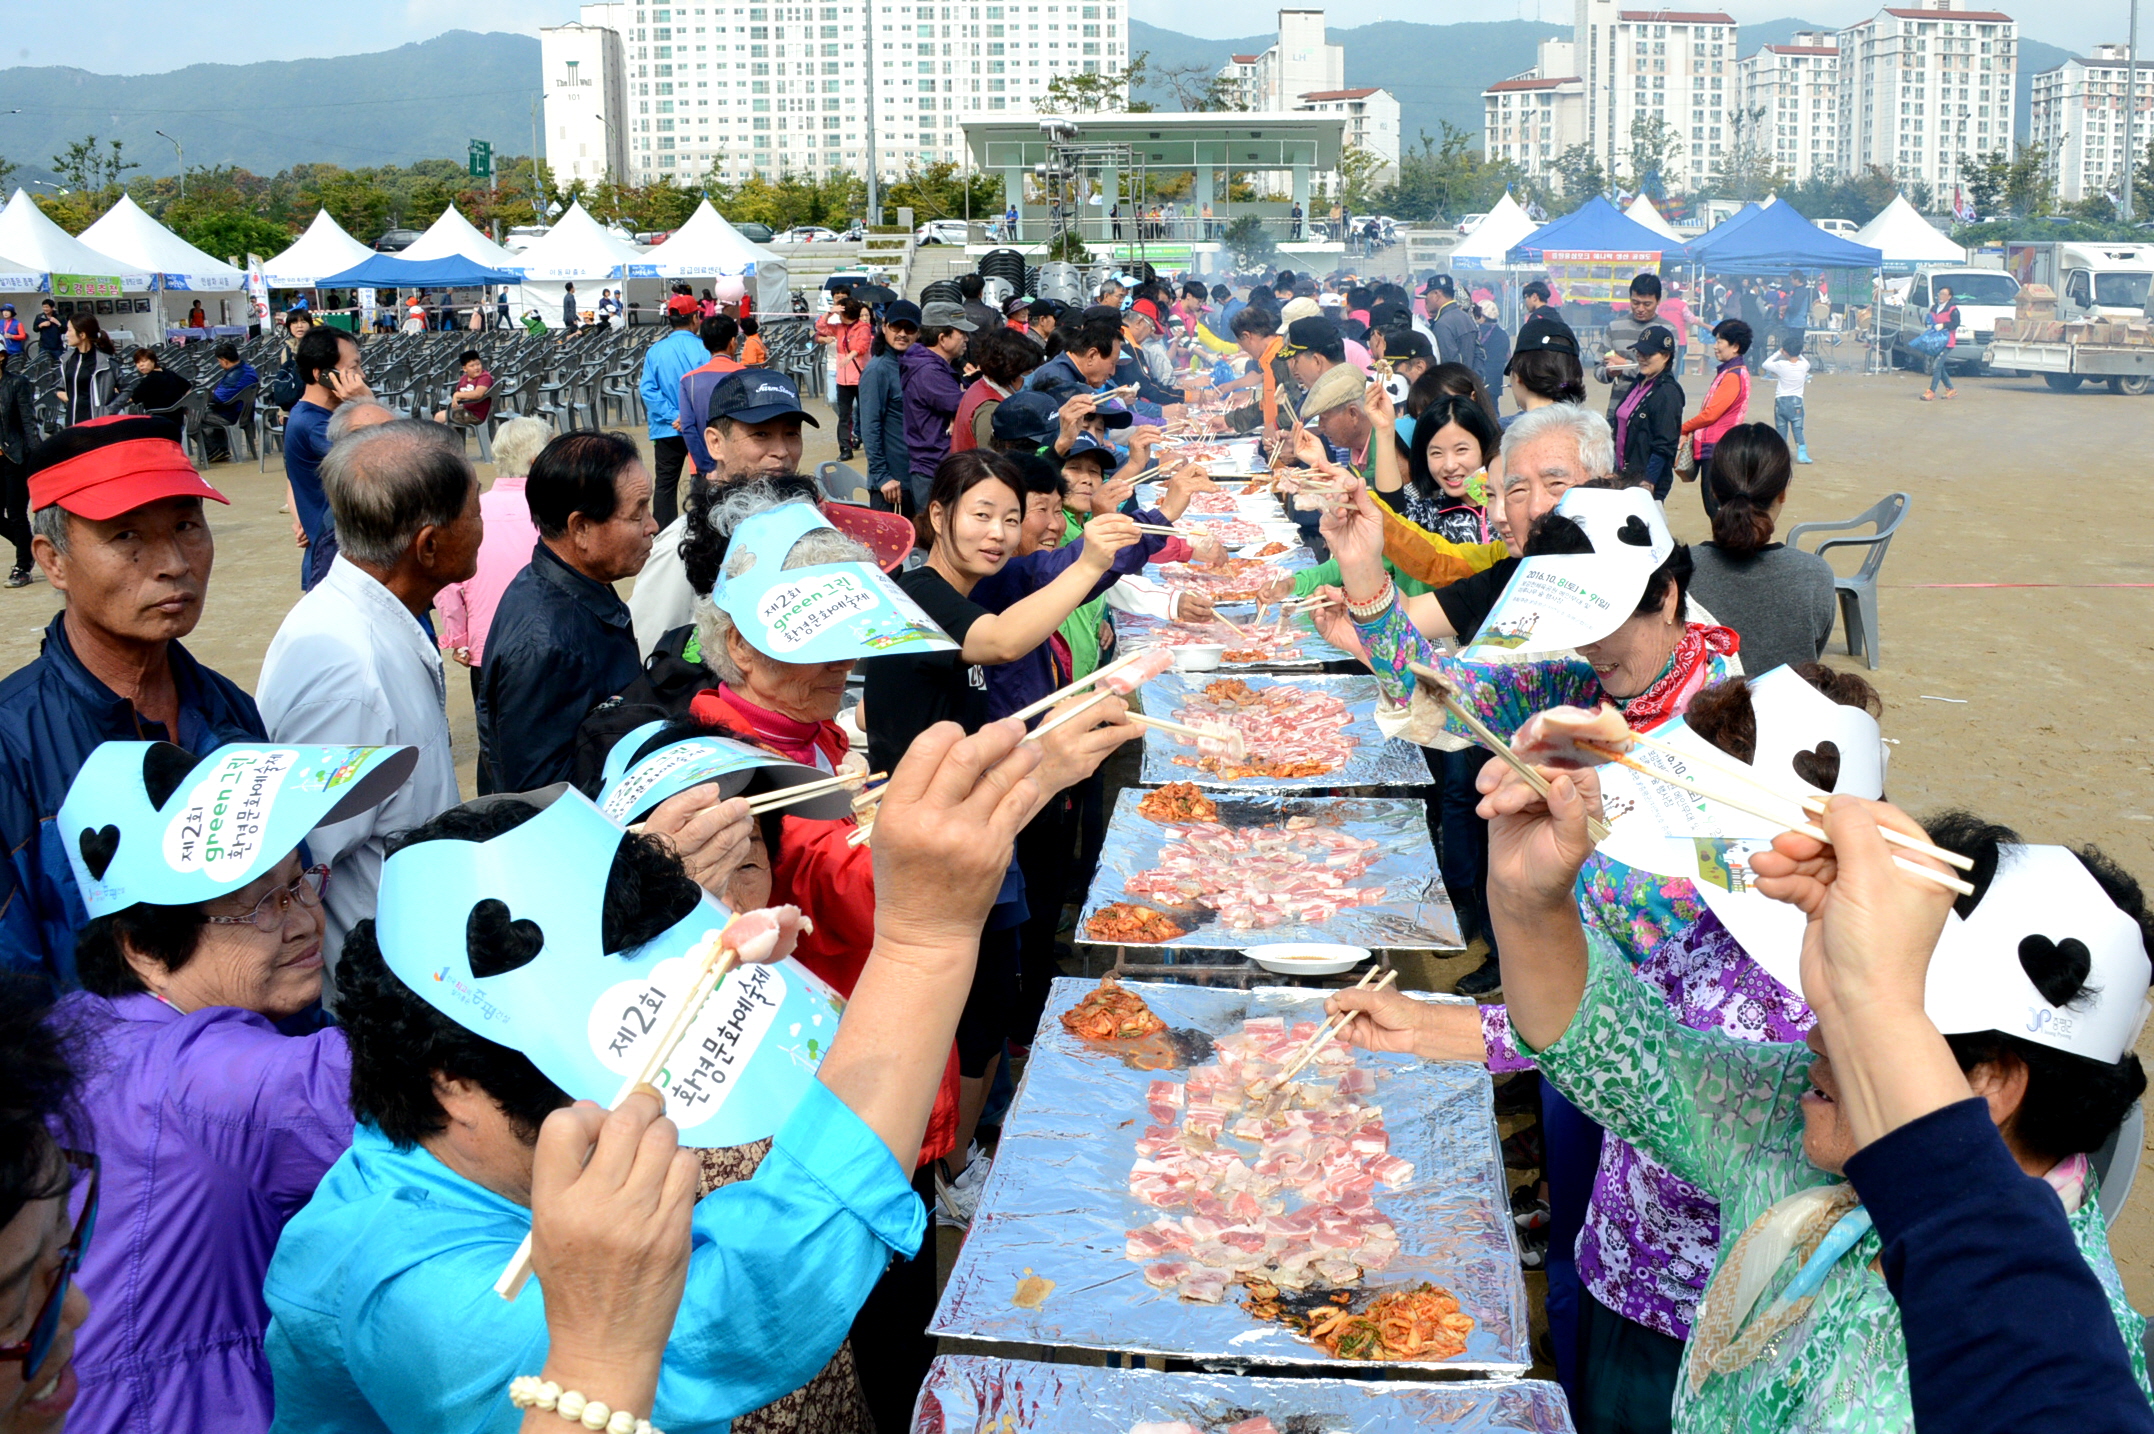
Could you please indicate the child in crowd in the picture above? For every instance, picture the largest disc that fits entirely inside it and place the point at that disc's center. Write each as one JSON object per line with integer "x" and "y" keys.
{"x": 1790, "y": 373}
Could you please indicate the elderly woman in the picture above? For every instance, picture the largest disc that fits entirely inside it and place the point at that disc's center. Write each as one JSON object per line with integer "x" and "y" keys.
{"x": 1798, "y": 1328}
{"x": 467, "y": 608}
{"x": 213, "y": 1127}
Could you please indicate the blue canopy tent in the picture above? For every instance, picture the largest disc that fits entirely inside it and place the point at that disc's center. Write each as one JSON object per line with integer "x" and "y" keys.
{"x": 1772, "y": 239}
{"x": 1596, "y": 224}
{"x": 451, "y": 271}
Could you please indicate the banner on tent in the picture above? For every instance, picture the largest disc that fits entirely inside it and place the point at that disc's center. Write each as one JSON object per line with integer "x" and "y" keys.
{"x": 21, "y": 283}
{"x": 85, "y": 286}
{"x": 1597, "y": 275}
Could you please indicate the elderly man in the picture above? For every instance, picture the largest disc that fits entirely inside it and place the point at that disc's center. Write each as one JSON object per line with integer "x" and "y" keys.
{"x": 928, "y": 377}
{"x": 117, "y": 515}
{"x": 720, "y": 336}
{"x": 1313, "y": 346}
{"x": 1334, "y": 406}
{"x": 561, "y": 641}
{"x": 755, "y": 416}
{"x": 353, "y": 663}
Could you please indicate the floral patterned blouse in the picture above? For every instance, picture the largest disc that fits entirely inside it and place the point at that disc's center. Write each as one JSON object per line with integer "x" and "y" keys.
{"x": 1725, "y": 1115}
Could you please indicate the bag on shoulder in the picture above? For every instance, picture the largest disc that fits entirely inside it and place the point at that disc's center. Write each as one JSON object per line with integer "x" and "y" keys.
{"x": 285, "y": 389}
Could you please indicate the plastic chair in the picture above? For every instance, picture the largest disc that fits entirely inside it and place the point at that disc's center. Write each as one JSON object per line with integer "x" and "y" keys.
{"x": 843, "y": 482}
{"x": 1858, "y": 594}
{"x": 235, "y": 429}
{"x": 2127, "y": 1139}
{"x": 268, "y": 428}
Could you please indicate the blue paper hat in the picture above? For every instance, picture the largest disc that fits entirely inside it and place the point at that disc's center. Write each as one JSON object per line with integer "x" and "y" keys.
{"x": 832, "y": 612}
{"x": 585, "y": 1016}
{"x": 634, "y": 780}
{"x": 148, "y": 821}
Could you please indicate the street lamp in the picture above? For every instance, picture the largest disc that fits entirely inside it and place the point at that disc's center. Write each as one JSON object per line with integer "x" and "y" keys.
{"x": 168, "y": 139}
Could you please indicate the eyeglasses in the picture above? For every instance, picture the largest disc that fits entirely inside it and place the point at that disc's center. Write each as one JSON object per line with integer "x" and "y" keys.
{"x": 268, "y": 913}
{"x": 46, "y": 1327}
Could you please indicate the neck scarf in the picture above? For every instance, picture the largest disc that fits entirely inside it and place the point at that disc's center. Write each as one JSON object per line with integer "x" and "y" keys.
{"x": 1688, "y": 671}
{"x": 812, "y": 744}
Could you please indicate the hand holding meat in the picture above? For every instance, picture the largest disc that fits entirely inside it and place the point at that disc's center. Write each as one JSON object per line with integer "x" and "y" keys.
{"x": 709, "y": 832}
{"x": 944, "y": 831}
{"x": 1074, "y": 749}
{"x": 1105, "y": 536}
{"x": 1385, "y": 1020}
{"x": 1573, "y": 737}
{"x": 1536, "y": 845}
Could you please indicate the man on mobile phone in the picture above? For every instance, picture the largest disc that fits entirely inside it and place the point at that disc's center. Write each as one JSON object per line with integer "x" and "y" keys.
{"x": 328, "y": 361}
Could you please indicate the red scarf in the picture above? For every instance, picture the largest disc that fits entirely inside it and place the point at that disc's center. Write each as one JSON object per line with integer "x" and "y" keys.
{"x": 1689, "y": 671}
{"x": 793, "y": 740}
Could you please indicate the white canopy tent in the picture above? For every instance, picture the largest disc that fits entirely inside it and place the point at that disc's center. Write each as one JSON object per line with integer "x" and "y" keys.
{"x": 1641, "y": 211}
{"x": 324, "y": 249}
{"x": 1905, "y": 238}
{"x": 454, "y": 235}
{"x": 1494, "y": 237}
{"x": 18, "y": 279}
{"x": 29, "y": 239}
{"x": 708, "y": 247}
{"x": 129, "y": 234}
{"x": 578, "y": 249}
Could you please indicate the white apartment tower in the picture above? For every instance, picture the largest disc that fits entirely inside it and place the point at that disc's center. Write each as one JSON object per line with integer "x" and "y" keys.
{"x": 1372, "y": 121}
{"x": 1677, "y": 66}
{"x": 734, "y": 90}
{"x": 1920, "y": 88}
{"x": 2077, "y": 114}
{"x": 585, "y": 88}
{"x": 1788, "y": 100}
{"x": 1529, "y": 119}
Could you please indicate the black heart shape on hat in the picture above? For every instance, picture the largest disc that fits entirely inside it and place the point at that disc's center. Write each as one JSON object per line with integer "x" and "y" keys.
{"x": 1820, "y": 766}
{"x": 496, "y": 943}
{"x": 97, "y": 844}
{"x": 164, "y": 767}
{"x": 1635, "y": 532}
{"x": 2057, "y": 968}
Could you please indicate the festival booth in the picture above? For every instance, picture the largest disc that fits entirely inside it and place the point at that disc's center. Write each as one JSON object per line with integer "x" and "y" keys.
{"x": 78, "y": 277}
{"x": 16, "y": 279}
{"x": 452, "y": 236}
{"x": 1770, "y": 240}
{"x": 1590, "y": 255}
{"x": 707, "y": 247}
{"x": 395, "y": 272}
{"x": 324, "y": 249}
{"x": 1642, "y": 211}
{"x": 577, "y": 250}
{"x": 182, "y": 274}
{"x": 1907, "y": 240}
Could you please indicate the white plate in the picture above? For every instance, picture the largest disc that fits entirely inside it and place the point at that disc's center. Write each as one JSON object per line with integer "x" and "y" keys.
{"x": 1311, "y": 959}
{"x": 1199, "y": 656}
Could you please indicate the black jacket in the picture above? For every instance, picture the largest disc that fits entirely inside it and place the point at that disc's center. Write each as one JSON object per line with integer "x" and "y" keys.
{"x": 1655, "y": 429}
{"x": 18, "y": 417}
{"x": 561, "y": 644}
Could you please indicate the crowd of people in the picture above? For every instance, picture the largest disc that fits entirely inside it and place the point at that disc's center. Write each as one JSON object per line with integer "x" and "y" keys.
{"x": 290, "y": 1021}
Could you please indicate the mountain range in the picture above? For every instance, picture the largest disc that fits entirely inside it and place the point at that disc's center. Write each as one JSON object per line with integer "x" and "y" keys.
{"x": 427, "y": 100}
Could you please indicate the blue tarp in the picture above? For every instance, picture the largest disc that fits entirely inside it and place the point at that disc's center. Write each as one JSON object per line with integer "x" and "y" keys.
{"x": 1772, "y": 239}
{"x": 1596, "y": 224}
{"x": 386, "y": 271}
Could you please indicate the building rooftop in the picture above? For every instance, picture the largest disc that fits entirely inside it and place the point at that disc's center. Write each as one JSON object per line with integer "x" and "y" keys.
{"x": 1548, "y": 84}
{"x": 1803, "y": 49}
{"x": 1678, "y": 17}
{"x": 1169, "y": 139}
{"x": 1339, "y": 94}
{"x": 1997, "y": 15}
{"x": 1243, "y": 59}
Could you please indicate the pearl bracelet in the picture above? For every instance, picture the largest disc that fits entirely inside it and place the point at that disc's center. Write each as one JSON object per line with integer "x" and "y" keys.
{"x": 1375, "y": 607}
{"x": 529, "y": 1391}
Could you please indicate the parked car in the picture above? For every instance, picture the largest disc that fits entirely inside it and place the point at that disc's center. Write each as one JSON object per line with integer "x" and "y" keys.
{"x": 753, "y": 232}
{"x": 1982, "y": 296}
{"x": 943, "y": 231}
{"x": 1845, "y": 228}
{"x": 1470, "y": 223}
{"x": 809, "y": 234}
{"x": 395, "y": 241}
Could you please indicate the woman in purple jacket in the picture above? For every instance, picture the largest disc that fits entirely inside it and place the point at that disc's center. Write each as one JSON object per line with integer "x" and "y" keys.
{"x": 212, "y": 1126}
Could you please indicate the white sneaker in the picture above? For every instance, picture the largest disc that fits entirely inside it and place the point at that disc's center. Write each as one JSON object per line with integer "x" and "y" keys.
{"x": 958, "y": 1199}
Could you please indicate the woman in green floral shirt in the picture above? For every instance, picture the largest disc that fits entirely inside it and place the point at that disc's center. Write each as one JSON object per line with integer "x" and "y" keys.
{"x": 1758, "y": 1127}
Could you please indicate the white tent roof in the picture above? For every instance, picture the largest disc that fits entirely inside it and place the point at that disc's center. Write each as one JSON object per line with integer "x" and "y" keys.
{"x": 1905, "y": 237}
{"x": 30, "y": 239}
{"x": 452, "y": 235}
{"x": 577, "y": 247}
{"x": 323, "y": 250}
{"x": 1641, "y": 211}
{"x": 129, "y": 234}
{"x": 706, "y": 244}
{"x": 16, "y": 279}
{"x": 1494, "y": 236}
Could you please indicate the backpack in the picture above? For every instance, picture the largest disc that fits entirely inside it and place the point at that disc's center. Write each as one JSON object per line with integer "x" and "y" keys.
{"x": 672, "y": 676}
{"x": 286, "y": 389}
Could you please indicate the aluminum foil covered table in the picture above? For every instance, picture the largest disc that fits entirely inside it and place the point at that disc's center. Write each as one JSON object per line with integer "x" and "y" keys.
{"x": 1376, "y": 760}
{"x": 1415, "y": 913}
{"x": 1057, "y": 1206}
{"x": 974, "y": 1394}
{"x": 1134, "y": 632}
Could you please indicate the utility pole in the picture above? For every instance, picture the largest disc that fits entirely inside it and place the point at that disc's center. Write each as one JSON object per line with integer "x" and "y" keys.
{"x": 875, "y": 188}
{"x": 183, "y": 153}
{"x": 538, "y": 197}
{"x": 2131, "y": 114}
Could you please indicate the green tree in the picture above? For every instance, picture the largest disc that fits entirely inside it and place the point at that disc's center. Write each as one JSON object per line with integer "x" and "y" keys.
{"x": 2030, "y": 187}
{"x": 1748, "y": 168}
{"x": 1579, "y": 169}
{"x": 1249, "y": 242}
{"x": 941, "y": 192}
{"x": 1093, "y": 93}
{"x": 1359, "y": 169}
{"x": 1654, "y": 149}
{"x": 1446, "y": 176}
{"x": 228, "y": 234}
{"x": 1859, "y": 197}
{"x": 7, "y": 173}
{"x": 84, "y": 166}
{"x": 355, "y": 199}
{"x": 2143, "y": 186}
{"x": 1986, "y": 175}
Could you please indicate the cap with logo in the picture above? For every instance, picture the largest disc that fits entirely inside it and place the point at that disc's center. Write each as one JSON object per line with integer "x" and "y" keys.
{"x": 1655, "y": 340}
{"x": 902, "y": 311}
{"x": 106, "y": 466}
{"x": 1443, "y": 284}
{"x": 757, "y": 395}
{"x": 1091, "y": 443}
{"x": 1315, "y": 334}
{"x": 1409, "y": 344}
{"x": 1539, "y": 332}
{"x": 1028, "y": 417}
{"x": 942, "y": 314}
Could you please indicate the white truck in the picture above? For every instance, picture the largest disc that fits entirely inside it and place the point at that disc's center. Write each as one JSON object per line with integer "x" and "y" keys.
{"x": 1982, "y": 296}
{"x": 2105, "y": 300}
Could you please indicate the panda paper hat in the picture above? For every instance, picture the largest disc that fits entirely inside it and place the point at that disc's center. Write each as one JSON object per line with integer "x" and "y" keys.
{"x": 149, "y": 821}
{"x": 504, "y": 937}
{"x": 1795, "y": 719}
{"x": 1564, "y": 600}
{"x": 630, "y": 788}
{"x": 2042, "y": 898}
{"x": 831, "y": 612}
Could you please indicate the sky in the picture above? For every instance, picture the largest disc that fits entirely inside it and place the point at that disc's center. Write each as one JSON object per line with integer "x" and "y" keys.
{"x": 50, "y": 34}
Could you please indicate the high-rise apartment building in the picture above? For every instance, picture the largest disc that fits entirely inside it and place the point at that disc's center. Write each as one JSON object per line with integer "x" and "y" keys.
{"x": 1304, "y": 70}
{"x": 2076, "y": 113}
{"x": 585, "y": 89}
{"x": 734, "y": 90}
{"x": 1920, "y": 88}
{"x": 1673, "y": 66}
{"x": 1788, "y": 103}
{"x": 1530, "y": 118}
{"x": 1372, "y": 122}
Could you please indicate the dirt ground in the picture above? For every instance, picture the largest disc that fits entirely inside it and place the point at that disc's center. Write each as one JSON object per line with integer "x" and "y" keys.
{"x": 1994, "y": 587}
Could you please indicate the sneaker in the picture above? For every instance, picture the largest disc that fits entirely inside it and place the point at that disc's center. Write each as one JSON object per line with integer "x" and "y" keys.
{"x": 1533, "y": 1250}
{"x": 1802, "y": 453}
{"x": 1528, "y": 1211}
{"x": 957, "y": 1198}
{"x": 1486, "y": 977}
{"x": 19, "y": 578}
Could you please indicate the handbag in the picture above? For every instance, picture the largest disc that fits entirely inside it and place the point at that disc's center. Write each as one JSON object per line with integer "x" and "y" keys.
{"x": 1686, "y": 462}
{"x": 1930, "y": 342}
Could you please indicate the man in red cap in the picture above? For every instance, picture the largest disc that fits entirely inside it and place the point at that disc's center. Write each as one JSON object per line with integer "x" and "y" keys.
{"x": 116, "y": 509}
